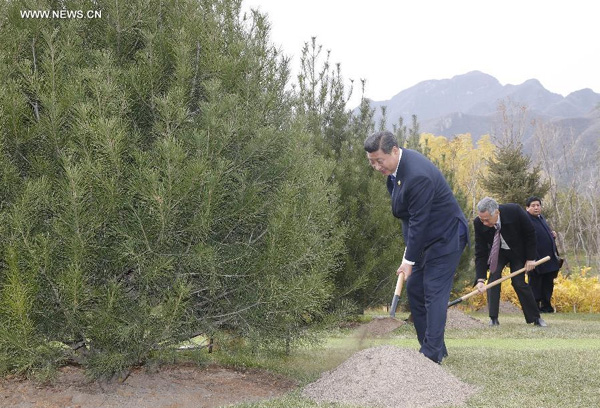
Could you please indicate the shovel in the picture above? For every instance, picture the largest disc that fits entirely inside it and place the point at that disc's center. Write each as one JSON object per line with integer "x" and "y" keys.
{"x": 496, "y": 282}
{"x": 397, "y": 294}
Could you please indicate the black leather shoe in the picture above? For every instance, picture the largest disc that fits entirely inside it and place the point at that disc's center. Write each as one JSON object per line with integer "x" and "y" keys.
{"x": 540, "y": 322}
{"x": 494, "y": 321}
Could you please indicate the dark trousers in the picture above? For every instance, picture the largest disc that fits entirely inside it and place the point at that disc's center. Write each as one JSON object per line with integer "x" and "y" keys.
{"x": 428, "y": 290}
{"x": 542, "y": 286}
{"x": 523, "y": 290}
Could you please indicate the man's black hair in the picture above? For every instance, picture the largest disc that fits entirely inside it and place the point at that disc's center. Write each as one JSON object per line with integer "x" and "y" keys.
{"x": 381, "y": 140}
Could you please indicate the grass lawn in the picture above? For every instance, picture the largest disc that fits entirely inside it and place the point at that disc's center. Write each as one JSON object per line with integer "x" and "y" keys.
{"x": 514, "y": 365}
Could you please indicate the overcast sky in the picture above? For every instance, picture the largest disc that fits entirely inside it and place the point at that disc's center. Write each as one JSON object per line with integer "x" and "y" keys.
{"x": 395, "y": 44}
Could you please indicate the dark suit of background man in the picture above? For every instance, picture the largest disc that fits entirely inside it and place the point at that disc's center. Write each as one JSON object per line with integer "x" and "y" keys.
{"x": 541, "y": 279}
{"x": 518, "y": 248}
{"x": 435, "y": 233}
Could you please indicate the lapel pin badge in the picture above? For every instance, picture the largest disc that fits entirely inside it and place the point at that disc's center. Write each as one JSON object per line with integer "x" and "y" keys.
{"x": 399, "y": 182}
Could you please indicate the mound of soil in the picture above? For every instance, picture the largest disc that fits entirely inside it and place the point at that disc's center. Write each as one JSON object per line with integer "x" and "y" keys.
{"x": 458, "y": 320}
{"x": 388, "y": 376}
{"x": 380, "y": 326}
{"x": 505, "y": 307}
{"x": 172, "y": 387}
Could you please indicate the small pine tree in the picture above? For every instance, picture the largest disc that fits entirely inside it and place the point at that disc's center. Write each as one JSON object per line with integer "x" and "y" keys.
{"x": 414, "y": 137}
{"x": 400, "y": 131}
{"x": 511, "y": 178}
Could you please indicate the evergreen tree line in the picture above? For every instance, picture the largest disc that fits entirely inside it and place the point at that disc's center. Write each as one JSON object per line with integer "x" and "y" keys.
{"x": 160, "y": 180}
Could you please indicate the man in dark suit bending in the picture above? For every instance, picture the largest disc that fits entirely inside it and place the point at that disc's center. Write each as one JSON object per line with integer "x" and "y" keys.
{"x": 509, "y": 225}
{"x": 434, "y": 230}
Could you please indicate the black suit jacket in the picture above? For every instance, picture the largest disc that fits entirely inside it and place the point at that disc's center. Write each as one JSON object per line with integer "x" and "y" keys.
{"x": 431, "y": 217}
{"x": 516, "y": 229}
{"x": 546, "y": 245}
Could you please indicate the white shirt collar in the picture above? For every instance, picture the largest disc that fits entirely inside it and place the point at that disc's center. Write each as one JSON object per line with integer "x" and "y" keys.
{"x": 399, "y": 158}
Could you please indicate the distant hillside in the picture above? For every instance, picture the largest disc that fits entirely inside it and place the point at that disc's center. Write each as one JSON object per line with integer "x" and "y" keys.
{"x": 468, "y": 104}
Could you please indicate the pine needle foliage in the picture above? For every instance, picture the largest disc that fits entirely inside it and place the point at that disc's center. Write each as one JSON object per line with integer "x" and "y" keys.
{"x": 155, "y": 184}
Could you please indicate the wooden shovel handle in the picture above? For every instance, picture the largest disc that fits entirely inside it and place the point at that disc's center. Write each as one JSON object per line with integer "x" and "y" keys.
{"x": 399, "y": 283}
{"x": 496, "y": 282}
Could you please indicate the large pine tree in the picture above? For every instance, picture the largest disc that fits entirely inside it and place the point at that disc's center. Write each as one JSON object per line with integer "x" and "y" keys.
{"x": 154, "y": 185}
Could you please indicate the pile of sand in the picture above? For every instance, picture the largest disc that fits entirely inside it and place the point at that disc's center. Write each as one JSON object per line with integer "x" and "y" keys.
{"x": 389, "y": 376}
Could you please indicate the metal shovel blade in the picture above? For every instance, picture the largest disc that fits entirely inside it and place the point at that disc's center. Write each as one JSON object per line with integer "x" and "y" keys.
{"x": 394, "y": 305}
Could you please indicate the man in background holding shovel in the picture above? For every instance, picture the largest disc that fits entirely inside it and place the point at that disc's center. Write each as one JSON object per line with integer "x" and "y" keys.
{"x": 504, "y": 235}
{"x": 435, "y": 233}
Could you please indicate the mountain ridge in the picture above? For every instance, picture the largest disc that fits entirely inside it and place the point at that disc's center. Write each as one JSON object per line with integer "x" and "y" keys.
{"x": 467, "y": 103}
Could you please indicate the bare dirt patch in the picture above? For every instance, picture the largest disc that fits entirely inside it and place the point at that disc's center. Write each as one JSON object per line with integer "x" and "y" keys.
{"x": 388, "y": 376}
{"x": 170, "y": 387}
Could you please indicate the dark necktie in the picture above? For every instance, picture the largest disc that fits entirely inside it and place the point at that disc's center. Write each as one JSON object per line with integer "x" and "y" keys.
{"x": 493, "y": 259}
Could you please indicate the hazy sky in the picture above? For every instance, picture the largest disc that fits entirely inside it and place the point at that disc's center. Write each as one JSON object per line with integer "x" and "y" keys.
{"x": 395, "y": 44}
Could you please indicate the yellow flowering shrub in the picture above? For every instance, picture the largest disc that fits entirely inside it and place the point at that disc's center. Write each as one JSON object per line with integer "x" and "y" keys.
{"x": 577, "y": 293}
